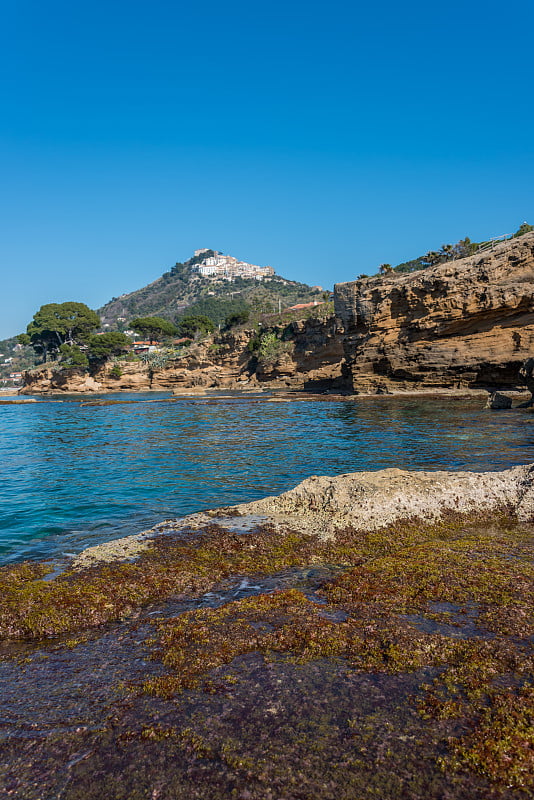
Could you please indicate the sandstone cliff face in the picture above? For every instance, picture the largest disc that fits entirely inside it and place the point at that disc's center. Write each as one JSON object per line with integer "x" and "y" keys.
{"x": 313, "y": 363}
{"x": 466, "y": 323}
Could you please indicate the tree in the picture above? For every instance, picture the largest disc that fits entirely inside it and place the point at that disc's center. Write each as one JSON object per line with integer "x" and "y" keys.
{"x": 432, "y": 258}
{"x": 238, "y": 318}
{"x": 463, "y": 248}
{"x": 195, "y": 325}
{"x": 153, "y": 327}
{"x": 523, "y": 228}
{"x": 56, "y": 324}
{"x": 73, "y": 356}
{"x": 107, "y": 344}
{"x": 385, "y": 269}
{"x": 218, "y": 309}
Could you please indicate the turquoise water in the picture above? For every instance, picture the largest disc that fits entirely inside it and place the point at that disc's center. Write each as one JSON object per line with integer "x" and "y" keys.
{"x": 74, "y": 475}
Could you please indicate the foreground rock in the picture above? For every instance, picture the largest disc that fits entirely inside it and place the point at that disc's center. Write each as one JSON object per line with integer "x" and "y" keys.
{"x": 465, "y": 323}
{"x": 390, "y": 658}
{"x": 365, "y": 501}
{"x": 371, "y": 500}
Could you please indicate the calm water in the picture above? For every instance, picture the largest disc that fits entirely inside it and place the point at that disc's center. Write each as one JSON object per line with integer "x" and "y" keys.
{"x": 72, "y": 476}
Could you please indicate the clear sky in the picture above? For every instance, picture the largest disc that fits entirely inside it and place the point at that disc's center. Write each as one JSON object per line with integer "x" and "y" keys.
{"x": 322, "y": 138}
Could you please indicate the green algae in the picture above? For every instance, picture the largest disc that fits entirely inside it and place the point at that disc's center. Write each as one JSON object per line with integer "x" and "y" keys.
{"x": 483, "y": 569}
{"x": 501, "y": 745}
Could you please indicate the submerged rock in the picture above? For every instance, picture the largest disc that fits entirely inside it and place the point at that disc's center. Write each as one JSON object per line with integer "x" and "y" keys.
{"x": 251, "y": 661}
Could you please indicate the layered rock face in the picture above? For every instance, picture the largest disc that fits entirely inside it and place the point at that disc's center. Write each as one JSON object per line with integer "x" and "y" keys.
{"x": 465, "y": 323}
{"x": 313, "y": 361}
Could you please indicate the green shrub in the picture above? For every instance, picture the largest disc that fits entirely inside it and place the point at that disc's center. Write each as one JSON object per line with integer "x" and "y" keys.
{"x": 72, "y": 356}
{"x": 115, "y": 371}
{"x": 271, "y": 348}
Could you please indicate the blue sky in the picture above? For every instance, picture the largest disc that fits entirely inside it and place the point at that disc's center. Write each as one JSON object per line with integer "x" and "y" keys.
{"x": 320, "y": 138}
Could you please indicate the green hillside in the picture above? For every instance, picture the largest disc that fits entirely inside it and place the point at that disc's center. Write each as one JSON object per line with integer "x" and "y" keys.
{"x": 18, "y": 358}
{"x": 181, "y": 288}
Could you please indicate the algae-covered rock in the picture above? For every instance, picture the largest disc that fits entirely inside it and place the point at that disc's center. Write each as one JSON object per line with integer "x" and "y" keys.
{"x": 371, "y": 500}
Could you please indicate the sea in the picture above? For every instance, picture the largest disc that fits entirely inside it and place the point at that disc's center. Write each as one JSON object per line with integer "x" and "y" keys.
{"x": 74, "y": 474}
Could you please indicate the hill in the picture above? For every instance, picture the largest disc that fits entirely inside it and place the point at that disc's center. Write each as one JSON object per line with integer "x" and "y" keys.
{"x": 14, "y": 358}
{"x": 184, "y": 287}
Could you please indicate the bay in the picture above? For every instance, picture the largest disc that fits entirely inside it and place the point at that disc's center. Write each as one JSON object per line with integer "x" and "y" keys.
{"x": 74, "y": 475}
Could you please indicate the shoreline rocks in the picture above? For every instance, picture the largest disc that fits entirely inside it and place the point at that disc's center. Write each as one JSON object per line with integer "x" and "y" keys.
{"x": 363, "y": 501}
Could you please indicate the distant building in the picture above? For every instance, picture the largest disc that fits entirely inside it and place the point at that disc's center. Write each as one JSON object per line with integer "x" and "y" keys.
{"x": 202, "y": 250}
{"x": 206, "y": 270}
{"x": 145, "y": 347}
{"x": 228, "y": 267}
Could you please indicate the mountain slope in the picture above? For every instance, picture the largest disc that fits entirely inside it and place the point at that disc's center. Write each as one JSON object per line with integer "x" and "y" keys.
{"x": 181, "y": 287}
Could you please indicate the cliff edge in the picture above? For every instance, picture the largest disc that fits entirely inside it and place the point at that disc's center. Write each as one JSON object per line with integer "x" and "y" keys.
{"x": 309, "y": 358}
{"x": 465, "y": 323}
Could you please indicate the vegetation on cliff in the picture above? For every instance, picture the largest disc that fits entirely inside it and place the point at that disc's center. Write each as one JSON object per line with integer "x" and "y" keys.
{"x": 450, "y": 252}
{"x": 65, "y": 332}
{"x": 58, "y": 324}
{"x": 153, "y": 328}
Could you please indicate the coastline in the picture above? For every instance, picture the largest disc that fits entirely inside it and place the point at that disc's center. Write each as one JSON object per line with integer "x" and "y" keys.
{"x": 322, "y": 505}
{"x": 517, "y": 393}
{"x": 392, "y": 605}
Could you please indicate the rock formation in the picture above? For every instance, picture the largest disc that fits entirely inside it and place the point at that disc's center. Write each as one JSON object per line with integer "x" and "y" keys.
{"x": 372, "y": 500}
{"x": 363, "y": 501}
{"x": 313, "y": 361}
{"x": 464, "y": 323}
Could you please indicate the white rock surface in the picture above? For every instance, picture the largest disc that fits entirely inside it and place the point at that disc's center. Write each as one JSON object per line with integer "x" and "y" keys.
{"x": 320, "y": 505}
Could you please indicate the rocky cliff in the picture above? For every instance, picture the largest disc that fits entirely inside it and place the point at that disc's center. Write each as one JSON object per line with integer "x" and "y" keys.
{"x": 465, "y": 323}
{"x": 312, "y": 359}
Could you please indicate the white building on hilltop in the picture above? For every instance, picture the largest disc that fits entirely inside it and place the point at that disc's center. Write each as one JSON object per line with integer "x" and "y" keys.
{"x": 228, "y": 268}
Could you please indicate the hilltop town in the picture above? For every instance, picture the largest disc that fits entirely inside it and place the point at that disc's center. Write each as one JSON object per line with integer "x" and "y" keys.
{"x": 208, "y": 283}
{"x": 216, "y": 265}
